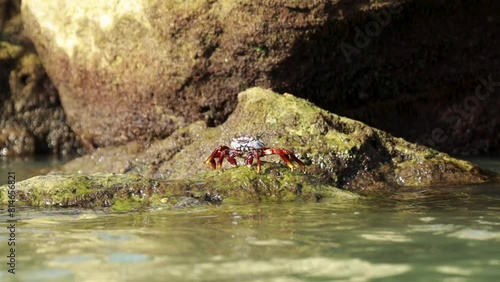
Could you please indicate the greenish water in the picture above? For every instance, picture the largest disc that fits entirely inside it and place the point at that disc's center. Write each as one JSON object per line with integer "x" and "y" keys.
{"x": 29, "y": 167}
{"x": 417, "y": 236}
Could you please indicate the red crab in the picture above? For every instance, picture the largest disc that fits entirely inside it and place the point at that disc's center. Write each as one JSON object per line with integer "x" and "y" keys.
{"x": 249, "y": 147}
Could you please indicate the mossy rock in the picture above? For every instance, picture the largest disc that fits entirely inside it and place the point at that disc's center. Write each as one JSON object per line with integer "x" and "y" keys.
{"x": 339, "y": 153}
{"x": 344, "y": 153}
{"x": 125, "y": 192}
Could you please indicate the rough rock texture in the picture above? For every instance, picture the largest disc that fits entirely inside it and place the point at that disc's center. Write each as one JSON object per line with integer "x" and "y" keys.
{"x": 31, "y": 117}
{"x": 125, "y": 192}
{"x": 338, "y": 152}
{"x": 416, "y": 78}
{"x": 344, "y": 153}
{"x": 139, "y": 69}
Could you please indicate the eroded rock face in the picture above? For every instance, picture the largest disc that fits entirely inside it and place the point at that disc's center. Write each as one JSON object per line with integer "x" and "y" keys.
{"x": 342, "y": 152}
{"x": 139, "y": 69}
{"x": 32, "y": 120}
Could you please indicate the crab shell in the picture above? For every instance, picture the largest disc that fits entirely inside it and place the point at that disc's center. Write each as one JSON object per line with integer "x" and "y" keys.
{"x": 246, "y": 143}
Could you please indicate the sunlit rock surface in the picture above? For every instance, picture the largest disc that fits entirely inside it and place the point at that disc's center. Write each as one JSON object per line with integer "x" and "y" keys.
{"x": 139, "y": 69}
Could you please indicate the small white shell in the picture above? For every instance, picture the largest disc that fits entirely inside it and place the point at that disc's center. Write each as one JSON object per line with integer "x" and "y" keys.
{"x": 246, "y": 143}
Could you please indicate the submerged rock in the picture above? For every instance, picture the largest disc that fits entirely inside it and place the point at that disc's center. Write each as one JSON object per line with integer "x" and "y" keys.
{"x": 338, "y": 152}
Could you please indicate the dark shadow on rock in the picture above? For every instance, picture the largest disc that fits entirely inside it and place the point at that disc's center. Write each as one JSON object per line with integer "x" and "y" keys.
{"x": 370, "y": 157}
{"x": 427, "y": 58}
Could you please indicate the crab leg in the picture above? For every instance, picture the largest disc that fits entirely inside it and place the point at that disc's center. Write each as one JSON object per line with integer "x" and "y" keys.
{"x": 219, "y": 162}
{"x": 231, "y": 160}
{"x": 258, "y": 161}
{"x": 285, "y": 156}
{"x": 211, "y": 162}
{"x": 299, "y": 162}
{"x": 249, "y": 160}
{"x": 286, "y": 159}
{"x": 219, "y": 153}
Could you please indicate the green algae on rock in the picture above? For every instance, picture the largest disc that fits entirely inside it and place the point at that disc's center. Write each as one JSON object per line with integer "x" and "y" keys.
{"x": 125, "y": 192}
{"x": 342, "y": 152}
{"x": 338, "y": 152}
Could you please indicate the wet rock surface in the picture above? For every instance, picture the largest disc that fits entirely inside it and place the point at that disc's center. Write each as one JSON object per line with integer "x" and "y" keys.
{"x": 338, "y": 153}
{"x": 126, "y": 192}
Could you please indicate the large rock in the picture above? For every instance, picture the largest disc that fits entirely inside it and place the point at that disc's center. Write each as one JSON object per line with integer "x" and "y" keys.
{"x": 338, "y": 153}
{"x": 32, "y": 120}
{"x": 344, "y": 153}
{"x": 139, "y": 69}
{"x": 380, "y": 66}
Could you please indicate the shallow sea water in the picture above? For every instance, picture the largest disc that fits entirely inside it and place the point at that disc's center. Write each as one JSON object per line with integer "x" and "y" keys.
{"x": 416, "y": 236}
